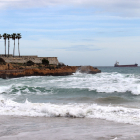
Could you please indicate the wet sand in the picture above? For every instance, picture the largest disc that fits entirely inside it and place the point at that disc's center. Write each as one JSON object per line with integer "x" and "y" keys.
{"x": 41, "y": 128}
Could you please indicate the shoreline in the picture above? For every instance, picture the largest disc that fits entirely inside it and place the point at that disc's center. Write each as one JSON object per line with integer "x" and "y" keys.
{"x": 62, "y": 71}
{"x": 64, "y": 128}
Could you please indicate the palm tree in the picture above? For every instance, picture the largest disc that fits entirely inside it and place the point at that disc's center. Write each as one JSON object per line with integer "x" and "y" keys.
{"x": 8, "y": 37}
{"x": 5, "y": 37}
{"x": 14, "y": 37}
{"x": 19, "y": 37}
{"x": 0, "y": 36}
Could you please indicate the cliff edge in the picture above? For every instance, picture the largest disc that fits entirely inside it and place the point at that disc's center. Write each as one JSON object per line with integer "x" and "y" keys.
{"x": 13, "y": 70}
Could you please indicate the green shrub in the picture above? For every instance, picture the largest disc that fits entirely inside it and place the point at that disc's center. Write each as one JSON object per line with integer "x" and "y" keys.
{"x": 61, "y": 64}
{"x": 30, "y": 63}
{"x": 2, "y": 62}
{"x": 45, "y": 61}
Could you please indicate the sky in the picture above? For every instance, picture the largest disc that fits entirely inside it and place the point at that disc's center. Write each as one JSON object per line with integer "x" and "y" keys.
{"x": 78, "y": 32}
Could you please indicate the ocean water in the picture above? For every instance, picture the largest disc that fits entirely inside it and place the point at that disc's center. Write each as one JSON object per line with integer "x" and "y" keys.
{"x": 110, "y": 96}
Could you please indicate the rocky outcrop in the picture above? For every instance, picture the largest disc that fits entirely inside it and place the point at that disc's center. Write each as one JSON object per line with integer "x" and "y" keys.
{"x": 63, "y": 71}
{"x": 6, "y": 67}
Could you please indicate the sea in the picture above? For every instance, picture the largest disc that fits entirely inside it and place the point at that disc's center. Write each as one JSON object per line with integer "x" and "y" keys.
{"x": 102, "y": 106}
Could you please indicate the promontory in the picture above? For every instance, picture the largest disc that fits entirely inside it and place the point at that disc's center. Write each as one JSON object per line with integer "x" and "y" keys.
{"x": 12, "y": 67}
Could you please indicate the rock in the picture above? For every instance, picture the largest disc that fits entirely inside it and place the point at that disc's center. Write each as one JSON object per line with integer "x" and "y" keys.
{"x": 30, "y": 71}
{"x": 5, "y": 67}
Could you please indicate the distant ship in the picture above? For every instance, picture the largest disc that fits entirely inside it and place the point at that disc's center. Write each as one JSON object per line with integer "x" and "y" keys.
{"x": 117, "y": 65}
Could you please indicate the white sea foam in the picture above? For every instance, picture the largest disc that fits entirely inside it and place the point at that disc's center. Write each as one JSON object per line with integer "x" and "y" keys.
{"x": 5, "y": 88}
{"x": 110, "y": 113}
{"x": 102, "y": 82}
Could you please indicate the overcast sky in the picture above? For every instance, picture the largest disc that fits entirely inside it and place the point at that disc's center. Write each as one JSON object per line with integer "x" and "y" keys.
{"x": 78, "y": 32}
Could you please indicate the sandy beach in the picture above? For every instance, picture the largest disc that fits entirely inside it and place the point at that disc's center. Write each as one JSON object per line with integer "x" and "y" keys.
{"x": 41, "y": 128}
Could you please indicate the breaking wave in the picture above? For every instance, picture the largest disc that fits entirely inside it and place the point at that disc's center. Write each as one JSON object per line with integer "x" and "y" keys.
{"x": 102, "y": 82}
{"x": 110, "y": 113}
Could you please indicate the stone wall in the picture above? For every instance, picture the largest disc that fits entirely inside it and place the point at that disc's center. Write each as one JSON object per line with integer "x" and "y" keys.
{"x": 24, "y": 59}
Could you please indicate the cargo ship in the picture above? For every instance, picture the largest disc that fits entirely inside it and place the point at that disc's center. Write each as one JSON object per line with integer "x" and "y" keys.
{"x": 117, "y": 65}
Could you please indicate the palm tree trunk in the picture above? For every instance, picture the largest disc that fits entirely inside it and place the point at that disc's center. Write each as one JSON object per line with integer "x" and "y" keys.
{"x": 8, "y": 47}
{"x": 14, "y": 49}
{"x": 5, "y": 47}
{"x": 18, "y": 48}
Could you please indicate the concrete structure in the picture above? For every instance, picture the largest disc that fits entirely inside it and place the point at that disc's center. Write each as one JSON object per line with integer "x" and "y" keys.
{"x": 25, "y": 59}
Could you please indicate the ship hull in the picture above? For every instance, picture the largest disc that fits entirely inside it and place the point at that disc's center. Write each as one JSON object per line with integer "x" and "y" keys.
{"x": 126, "y": 66}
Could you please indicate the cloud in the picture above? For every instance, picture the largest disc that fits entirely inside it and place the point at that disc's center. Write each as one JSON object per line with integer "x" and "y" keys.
{"x": 119, "y": 7}
{"x": 80, "y": 48}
